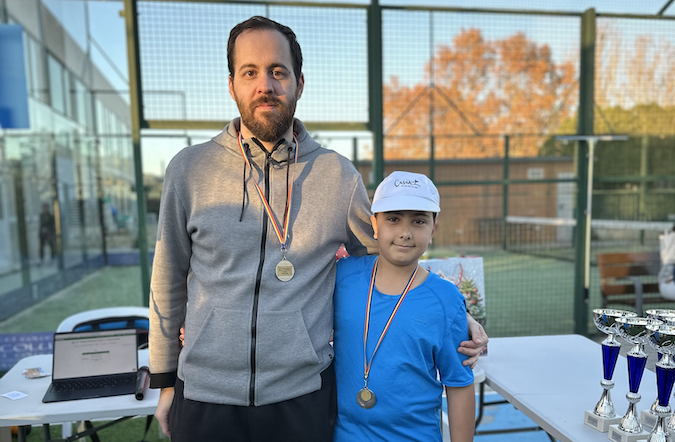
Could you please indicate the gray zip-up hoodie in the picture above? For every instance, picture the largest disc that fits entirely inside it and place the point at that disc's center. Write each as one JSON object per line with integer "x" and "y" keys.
{"x": 250, "y": 339}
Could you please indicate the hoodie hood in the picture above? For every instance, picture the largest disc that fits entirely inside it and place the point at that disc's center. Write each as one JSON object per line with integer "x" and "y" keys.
{"x": 228, "y": 139}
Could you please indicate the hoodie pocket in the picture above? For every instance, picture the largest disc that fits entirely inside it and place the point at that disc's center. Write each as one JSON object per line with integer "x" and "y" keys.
{"x": 217, "y": 362}
{"x": 284, "y": 345}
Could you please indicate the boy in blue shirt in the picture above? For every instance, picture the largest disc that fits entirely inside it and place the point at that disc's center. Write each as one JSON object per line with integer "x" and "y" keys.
{"x": 411, "y": 322}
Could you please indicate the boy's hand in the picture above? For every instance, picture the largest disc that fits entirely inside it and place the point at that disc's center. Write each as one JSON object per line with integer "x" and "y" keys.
{"x": 473, "y": 348}
{"x": 181, "y": 336}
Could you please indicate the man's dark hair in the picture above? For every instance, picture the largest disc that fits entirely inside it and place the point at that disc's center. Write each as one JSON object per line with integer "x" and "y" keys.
{"x": 257, "y": 23}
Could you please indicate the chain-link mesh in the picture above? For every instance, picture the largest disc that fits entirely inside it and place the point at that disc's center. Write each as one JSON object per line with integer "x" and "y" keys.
{"x": 468, "y": 78}
{"x": 184, "y": 59}
{"x": 649, "y": 7}
{"x": 472, "y": 100}
{"x": 455, "y": 84}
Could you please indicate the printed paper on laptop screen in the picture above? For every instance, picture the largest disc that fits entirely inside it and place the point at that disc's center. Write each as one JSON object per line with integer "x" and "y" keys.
{"x": 94, "y": 353}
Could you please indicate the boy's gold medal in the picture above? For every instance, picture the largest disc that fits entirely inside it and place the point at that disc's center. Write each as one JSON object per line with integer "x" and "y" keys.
{"x": 284, "y": 270}
{"x": 365, "y": 397}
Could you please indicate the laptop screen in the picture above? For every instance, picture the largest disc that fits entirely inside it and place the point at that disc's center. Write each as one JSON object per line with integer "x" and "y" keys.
{"x": 85, "y": 354}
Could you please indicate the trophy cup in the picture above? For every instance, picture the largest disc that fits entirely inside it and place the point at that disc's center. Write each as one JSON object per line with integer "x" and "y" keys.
{"x": 634, "y": 331}
{"x": 662, "y": 339}
{"x": 604, "y": 415}
{"x": 649, "y": 417}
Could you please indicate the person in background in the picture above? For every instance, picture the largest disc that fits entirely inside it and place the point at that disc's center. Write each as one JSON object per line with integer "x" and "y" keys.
{"x": 47, "y": 232}
{"x": 666, "y": 277}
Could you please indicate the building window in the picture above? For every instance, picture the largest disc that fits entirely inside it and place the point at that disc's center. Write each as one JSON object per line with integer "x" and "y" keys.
{"x": 535, "y": 173}
{"x": 56, "y": 82}
{"x": 68, "y": 89}
{"x": 80, "y": 102}
{"x": 37, "y": 84}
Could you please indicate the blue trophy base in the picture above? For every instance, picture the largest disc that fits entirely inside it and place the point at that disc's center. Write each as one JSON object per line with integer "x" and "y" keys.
{"x": 617, "y": 435}
{"x": 600, "y": 423}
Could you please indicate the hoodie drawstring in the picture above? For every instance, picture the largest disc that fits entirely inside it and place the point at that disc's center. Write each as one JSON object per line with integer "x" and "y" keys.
{"x": 243, "y": 192}
{"x": 288, "y": 168}
{"x": 243, "y": 183}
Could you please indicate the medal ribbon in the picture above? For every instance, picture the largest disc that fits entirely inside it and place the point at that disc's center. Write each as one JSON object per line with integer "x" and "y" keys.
{"x": 366, "y": 366}
{"x": 268, "y": 208}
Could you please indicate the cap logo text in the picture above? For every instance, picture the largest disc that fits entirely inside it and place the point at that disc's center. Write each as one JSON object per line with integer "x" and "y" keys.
{"x": 407, "y": 183}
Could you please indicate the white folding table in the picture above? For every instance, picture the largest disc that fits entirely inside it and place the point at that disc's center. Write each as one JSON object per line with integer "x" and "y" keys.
{"x": 31, "y": 411}
{"x": 555, "y": 379}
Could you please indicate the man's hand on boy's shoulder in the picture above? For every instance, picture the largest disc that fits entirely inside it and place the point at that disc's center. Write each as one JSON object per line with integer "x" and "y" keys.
{"x": 475, "y": 346}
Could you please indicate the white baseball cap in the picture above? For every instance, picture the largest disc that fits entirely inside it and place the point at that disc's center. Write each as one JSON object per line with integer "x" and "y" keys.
{"x": 406, "y": 191}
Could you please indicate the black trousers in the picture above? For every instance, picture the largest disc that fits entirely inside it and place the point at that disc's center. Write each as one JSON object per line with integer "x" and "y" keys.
{"x": 308, "y": 418}
{"x": 46, "y": 239}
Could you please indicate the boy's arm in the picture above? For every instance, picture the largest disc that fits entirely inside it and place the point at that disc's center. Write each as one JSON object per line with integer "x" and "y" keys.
{"x": 461, "y": 412}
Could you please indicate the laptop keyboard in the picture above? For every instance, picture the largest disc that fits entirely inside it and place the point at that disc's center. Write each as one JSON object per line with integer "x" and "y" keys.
{"x": 87, "y": 384}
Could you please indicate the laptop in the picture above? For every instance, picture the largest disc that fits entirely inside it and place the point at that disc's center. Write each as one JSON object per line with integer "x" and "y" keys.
{"x": 93, "y": 364}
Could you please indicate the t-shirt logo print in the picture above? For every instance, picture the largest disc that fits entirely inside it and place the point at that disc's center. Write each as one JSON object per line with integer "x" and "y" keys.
{"x": 407, "y": 183}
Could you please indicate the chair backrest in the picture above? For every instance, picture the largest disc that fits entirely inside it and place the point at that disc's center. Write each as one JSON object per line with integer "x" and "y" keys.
{"x": 613, "y": 266}
{"x": 113, "y": 318}
{"x": 142, "y": 325}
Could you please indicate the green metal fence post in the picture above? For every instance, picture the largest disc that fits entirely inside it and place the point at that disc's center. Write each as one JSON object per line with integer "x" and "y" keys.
{"x": 136, "y": 98}
{"x": 584, "y": 127}
{"x": 644, "y": 171}
{"x": 432, "y": 87}
{"x": 432, "y": 158}
{"x": 56, "y": 205}
{"x": 505, "y": 192}
{"x": 355, "y": 152}
{"x": 79, "y": 194}
{"x": 22, "y": 231}
{"x": 375, "y": 107}
{"x": 97, "y": 140}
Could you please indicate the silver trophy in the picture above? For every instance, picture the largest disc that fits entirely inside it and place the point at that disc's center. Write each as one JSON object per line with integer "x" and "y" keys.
{"x": 604, "y": 415}
{"x": 662, "y": 339}
{"x": 649, "y": 417}
{"x": 634, "y": 331}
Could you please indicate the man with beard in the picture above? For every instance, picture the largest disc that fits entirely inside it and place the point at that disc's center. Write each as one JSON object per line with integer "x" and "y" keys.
{"x": 249, "y": 225}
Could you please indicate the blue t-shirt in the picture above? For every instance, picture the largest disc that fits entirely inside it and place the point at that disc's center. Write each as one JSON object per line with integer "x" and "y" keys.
{"x": 421, "y": 342}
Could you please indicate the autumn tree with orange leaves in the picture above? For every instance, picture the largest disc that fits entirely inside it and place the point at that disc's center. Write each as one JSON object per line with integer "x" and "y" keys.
{"x": 478, "y": 87}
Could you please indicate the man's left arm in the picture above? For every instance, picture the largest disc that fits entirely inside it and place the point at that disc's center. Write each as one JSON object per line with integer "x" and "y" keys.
{"x": 473, "y": 347}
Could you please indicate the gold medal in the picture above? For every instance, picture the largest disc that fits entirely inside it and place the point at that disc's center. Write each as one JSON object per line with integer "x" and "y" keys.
{"x": 366, "y": 398}
{"x": 285, "y": 270}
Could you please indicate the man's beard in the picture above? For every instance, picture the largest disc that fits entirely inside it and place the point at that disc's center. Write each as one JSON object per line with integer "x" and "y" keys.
{"x": 268, "y": 126}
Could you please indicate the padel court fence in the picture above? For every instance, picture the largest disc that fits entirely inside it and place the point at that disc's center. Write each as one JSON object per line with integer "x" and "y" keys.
{"x": 519, "y": 214}
{"x": 472, "y": 97}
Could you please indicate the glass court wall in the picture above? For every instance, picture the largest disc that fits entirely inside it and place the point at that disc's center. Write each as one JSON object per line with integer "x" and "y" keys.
{"x": 67, "y": 197}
